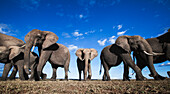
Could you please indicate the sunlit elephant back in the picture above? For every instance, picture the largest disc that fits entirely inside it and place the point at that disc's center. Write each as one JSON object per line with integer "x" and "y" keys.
{"x": 84, "y": 57}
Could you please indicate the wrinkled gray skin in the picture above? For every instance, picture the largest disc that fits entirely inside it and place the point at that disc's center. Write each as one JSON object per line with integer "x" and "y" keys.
{"x": 84, "y": 57}
{"x": 5, "y": 43}
{"x": 16, "y": 56}
{"x": 120, "y": 51}
{"x": 160, "y": 44}
{"x": 58, "y": 55}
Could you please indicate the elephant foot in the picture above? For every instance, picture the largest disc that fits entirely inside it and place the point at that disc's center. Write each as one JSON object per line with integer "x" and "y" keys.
{"x": 141, "y": 78}
{"x": 89, "y": 77}
{"x": 44, "y": 76}
{"x": 11, "y": 78}
{"x": 52, "y": 79}
{"x": 158, "y": 77}
{"x": 104, "y": 79}
{"x": 66, "y": 78}
{"x": 31, "y": 79}
{"x": 126, "y": 79}
{"x": 3, "y": 79}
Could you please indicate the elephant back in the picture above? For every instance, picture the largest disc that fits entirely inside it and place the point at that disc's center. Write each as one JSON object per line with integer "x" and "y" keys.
{"x": 6, "y": 40}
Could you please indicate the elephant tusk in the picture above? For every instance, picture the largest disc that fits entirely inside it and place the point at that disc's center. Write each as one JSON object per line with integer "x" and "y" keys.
{"x": 23, "y": 46}
{"x": 147, "y": 53}
{"x": 33, "y": 49}
{"x": 158, "y": 53}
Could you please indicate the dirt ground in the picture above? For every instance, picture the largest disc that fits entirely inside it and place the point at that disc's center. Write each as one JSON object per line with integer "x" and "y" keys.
{"x": 76, "y": 87}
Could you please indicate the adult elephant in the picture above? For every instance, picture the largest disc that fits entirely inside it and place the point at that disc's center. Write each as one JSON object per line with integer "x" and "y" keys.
{"x": 5, "y": 43}
{"x": 57, "y": 54}
{"x": 84, "y": 57}
{"x": 15, "y": 55}
{"x": 120, "y": 51}
{"x": 160, "y": 44}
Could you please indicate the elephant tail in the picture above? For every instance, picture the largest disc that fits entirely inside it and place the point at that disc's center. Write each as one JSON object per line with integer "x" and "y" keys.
{"x": 102, "y": 60}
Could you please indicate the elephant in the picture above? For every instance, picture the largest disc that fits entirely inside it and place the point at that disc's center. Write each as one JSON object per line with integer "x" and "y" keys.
{"x": 15, "y": 55}
{"x": 84, "y": 57}
{"x": 57, "y": 54}
{"x": 114, "y": 54}
{"x": 6, "y": 42}
{"x": 160, "y": 44}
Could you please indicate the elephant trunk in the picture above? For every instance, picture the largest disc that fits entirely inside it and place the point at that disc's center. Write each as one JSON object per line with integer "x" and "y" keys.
{"x": 86, "y": 68}
{"x": 147, "y": 49}
{"x": 27, "y": 57}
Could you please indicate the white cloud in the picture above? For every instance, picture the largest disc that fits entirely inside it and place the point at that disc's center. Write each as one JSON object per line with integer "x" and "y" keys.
{"x": 121, "y": 33}
{"x": 163, "y": 32}
{"x": 29, "y": 4}
{"x": 119, "y": 27}
{"x": 81, "y": 16}
{"x": 76, "y": 33}
{"x": 91, "y": 31}
{"x": 102, "y": 43}
{"x": 101, "y": 30}
{"x": 72, "y": 47}
{"x": 1, "y": 30}
{"x": 167, "y": 64}
{"x": 112, "y": 40}
{"x": 5, "y": 29}
{"x": 114, "y": 27}
{"x": 66, "y": 35}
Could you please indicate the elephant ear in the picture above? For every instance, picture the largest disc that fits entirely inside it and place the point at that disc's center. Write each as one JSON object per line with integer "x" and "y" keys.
{"x": 50, "y": 39}
{"x": 122, "y": 42}
{"x": 79, "y": 54}
{"x": 93, "y": 53}
{"x": 15, "y": 51}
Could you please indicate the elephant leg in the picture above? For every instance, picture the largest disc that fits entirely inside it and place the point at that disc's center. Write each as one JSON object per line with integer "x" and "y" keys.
{"x": 22, "y": 73}
{"x": 6, "y": 70}
{"x": 128, "y": 60}
{"x": 14, "y": 72}
{"x": 42, "y": 61}
{"x": 85, "y": 70}
{"x": 89, "y": 71}
{"x": 66, "y": 68}
{"x": 104, "y": 77}
{"x": 126, "y": 73}
{"x": 66, "y": 72}
{"x": 153, "y": 71}
{"x": 79, "y": 75}
{"x": 106, "y": 71}
{"x": 54, "y": 75}
{"x": 33, "y": 68}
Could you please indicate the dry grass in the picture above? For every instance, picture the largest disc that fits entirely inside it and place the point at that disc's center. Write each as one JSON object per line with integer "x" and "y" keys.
{"x": 96, "y": 86}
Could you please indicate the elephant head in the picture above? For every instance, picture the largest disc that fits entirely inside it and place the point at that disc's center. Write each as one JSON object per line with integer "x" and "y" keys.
{"x": 133, "y": 43}
{"x": 41, "y": 39}
{"x": 86, "y": 54}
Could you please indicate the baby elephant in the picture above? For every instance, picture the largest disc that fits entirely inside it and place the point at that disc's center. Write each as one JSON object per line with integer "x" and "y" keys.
{"x": 83, "y": 61}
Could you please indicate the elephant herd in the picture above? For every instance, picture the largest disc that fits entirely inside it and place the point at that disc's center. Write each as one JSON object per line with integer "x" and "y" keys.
{"x": 19, "y": 55}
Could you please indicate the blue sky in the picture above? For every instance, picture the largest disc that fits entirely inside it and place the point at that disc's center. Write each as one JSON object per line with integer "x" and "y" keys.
{"x": 87, "y": 24}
